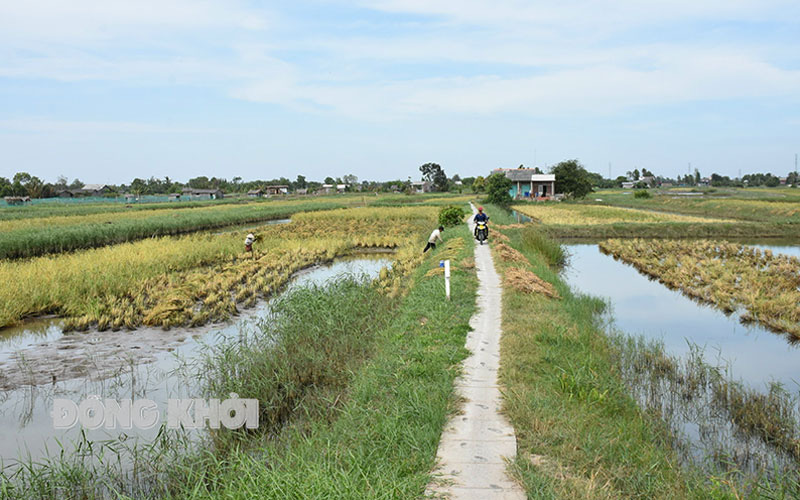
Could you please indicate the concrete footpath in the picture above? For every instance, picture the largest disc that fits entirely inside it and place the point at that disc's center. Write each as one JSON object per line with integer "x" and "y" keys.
{"x": 478, "y": 440}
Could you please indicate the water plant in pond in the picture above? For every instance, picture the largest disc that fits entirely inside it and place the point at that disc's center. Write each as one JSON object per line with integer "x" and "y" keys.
{"x": 728, "y": 275}
{"x": 739, "y": 428}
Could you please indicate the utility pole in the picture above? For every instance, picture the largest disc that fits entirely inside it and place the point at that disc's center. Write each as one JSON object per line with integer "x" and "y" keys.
{"x": 609, "y": 168}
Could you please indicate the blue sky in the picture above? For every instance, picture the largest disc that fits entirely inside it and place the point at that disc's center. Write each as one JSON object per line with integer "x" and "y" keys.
{"x": 107, "y": 90}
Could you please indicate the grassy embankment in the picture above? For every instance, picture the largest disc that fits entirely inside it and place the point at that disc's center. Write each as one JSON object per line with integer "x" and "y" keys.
{"x": 579, "y": 433}
{"x": 354, "y": 384}
{"x": 196, "y": 278}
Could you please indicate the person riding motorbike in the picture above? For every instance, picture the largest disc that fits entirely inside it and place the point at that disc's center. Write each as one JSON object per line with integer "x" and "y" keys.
{"x": 479, "y": 217}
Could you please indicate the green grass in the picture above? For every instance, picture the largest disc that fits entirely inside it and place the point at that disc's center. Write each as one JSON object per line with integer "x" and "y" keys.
{"x": 579, "y": 434}
{"x": 90, "y": 231}
{"x": 766, "y": 205}
{"x": 355, "y": 389}
{"x": 380, "y": 440}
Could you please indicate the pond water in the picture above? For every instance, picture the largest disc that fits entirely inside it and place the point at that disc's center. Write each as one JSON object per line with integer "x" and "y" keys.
{"x": 137, "y": 369}
{"x": 520, "y": 217}
{"x": 643, "y": 307}
{"x": 708, "y": 434}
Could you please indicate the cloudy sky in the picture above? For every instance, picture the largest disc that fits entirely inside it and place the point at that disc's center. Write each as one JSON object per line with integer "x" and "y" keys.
{"x": 106, "y": 90}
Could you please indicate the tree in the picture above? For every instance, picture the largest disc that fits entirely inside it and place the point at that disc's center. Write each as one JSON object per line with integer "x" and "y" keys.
{"x": 572, "y": 179}
{"x": 76, "y": 184}
{"x": 301, "y": 182}
{"x": 479, "y": 184}
{"x": 497, "y": 189}
{"x": 433, "y": 173}
{"x": 350, "y": 179}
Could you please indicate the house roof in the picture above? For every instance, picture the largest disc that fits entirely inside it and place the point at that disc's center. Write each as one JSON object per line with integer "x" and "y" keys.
{"x": 94, "y": 187}
{"x": 255, "y": 191}
{"x": 200, "y": 191}
{"x": 528, "y": 175}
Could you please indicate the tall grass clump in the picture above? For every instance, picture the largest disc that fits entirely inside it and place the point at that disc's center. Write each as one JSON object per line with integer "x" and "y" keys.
{"x": 552, "y": 251}
{"x": 304, "y": 352}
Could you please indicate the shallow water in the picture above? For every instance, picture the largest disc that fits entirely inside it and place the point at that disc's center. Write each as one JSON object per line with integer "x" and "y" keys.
{"x": 520, "y": 217}
{"x": 750, "y": 354}
{"x": 643, "y": 307}
{"x": 134, "y": 371}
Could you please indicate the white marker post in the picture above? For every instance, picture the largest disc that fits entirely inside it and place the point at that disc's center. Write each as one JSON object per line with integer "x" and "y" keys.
{"x": 447, "y": 278}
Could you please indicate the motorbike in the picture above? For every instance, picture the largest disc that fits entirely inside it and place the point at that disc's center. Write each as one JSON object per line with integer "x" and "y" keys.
{"x": 481, "y": 232}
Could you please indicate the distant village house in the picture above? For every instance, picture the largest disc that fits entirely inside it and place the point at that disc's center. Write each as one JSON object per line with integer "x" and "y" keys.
{"x": 203, "y": 194}
{"x": 527, "y": 184}
{"x": 422, "y": 187}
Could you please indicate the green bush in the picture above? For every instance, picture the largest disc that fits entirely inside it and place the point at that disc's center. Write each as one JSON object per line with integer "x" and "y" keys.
{"x": 451, "y": 216}
{"x": 642, "y": 194}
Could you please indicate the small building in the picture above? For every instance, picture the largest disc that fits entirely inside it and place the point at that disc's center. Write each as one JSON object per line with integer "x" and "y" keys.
{"x": 301, "y": 191}
{"x": 420, "y": 187}
{"x": 129, "y": 197}
{"x": 628, "y": 185}
{"x": 66, "y": 193}
{"x": 255, "y": 193}
{"x": 174, "y": 197}
{"x": 276, "y": 189}
{"x": 341, "y": 188}
{"x": 203, "y": 194}
{"x": 17, "y": 200}
{"x": 526, "y": 183}
{"x": 95, "y": 189}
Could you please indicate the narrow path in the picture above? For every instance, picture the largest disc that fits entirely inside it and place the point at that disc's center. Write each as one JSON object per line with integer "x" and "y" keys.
{"x": 478, "y": 440}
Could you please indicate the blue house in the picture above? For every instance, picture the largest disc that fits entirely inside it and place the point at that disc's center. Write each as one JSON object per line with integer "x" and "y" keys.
{"x": 528, "y": 185}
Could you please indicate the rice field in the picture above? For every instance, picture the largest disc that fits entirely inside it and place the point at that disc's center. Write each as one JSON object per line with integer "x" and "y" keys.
{"x": 198, "y": 278}
{"x": 765, "y": 287}
{"x": 578, "y": 214}
{"x": 752, "y": 204}
{"x": 30, "y": 237}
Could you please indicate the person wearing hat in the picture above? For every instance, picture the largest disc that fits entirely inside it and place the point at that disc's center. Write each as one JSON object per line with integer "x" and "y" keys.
{"x": 479, "y": 217}
{"x": 435, "y": 235}
{"x": 248, "y": 244}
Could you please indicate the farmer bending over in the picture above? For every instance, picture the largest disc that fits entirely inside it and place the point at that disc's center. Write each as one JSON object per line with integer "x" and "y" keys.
{"x": 248, "y": 244}
{"x": 435, "y": 235}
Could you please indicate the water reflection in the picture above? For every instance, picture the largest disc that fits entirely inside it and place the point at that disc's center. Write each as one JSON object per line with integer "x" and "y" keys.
{"x": 26, "y": 428}
{"x": 643, "y": 307}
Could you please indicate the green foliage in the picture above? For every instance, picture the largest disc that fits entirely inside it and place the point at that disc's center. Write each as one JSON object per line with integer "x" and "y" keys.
{"x": 534, "y": 239}
{"x": 572, "y": 179}
{"x": 433, "y": 173}
{"x": 451, "y": 216}
{"x": 479, "y": 184}
{"x": 642, "y": 194}
{"x": 497, "y": 187}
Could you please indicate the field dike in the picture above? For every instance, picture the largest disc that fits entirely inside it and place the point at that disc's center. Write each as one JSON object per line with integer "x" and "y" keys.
{"x": 355, "y": 381}
{"x": 572, "y": 394}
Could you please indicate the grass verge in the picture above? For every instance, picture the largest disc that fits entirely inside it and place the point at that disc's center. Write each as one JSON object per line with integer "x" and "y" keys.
{"x": 579, "y": 433}
{"x": 354, "y": 387}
